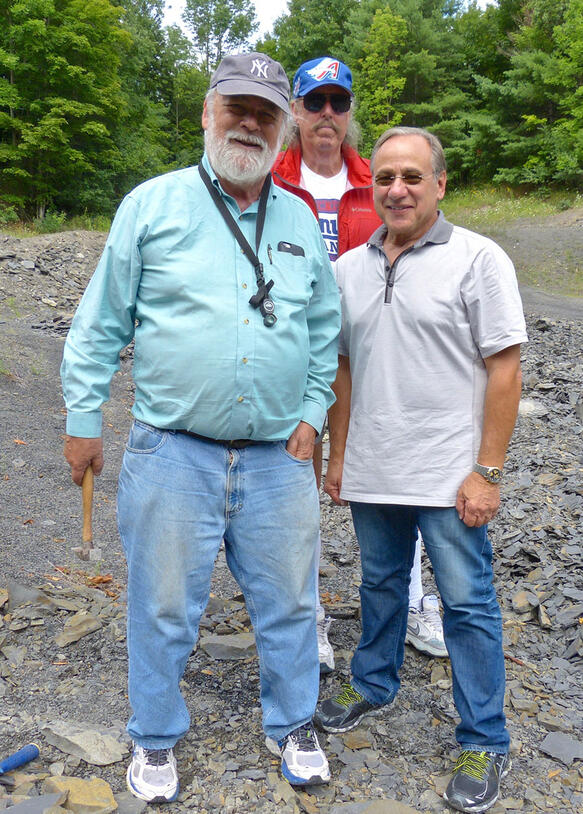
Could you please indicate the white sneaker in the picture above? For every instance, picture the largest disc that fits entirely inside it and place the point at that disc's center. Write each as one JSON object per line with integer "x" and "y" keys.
{"x": 325, "y": 652}
{"x": 152, "y": 775}
{"x": 303, "y": 763}
{"x": 424, "y": 628}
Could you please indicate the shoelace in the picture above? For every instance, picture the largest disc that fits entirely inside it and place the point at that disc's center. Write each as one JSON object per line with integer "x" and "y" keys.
{"x": 156, "y": 757}
{"x": 432, "y": 618}
{"x": 305, "y": 738}
{"x": 322, "y": 627}
{"x": 348, "y": 696}
{"x": 473, "y": 764}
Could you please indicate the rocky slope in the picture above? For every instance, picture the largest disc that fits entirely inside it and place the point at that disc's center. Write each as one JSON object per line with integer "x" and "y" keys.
{"x": 62, "y": 645}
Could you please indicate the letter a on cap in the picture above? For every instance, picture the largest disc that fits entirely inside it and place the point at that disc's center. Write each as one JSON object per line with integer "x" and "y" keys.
{"x": 325, "y": 69}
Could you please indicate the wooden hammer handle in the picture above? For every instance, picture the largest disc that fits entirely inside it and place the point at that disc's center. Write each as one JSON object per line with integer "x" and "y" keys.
{"x": 87, "y": 493}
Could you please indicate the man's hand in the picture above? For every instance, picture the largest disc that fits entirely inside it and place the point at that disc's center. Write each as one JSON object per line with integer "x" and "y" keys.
{"x": 333, "y": 482}
{"x": 301, "y": 442}
{"x": 80, "y": 452}
{"x": 477, "y": 500}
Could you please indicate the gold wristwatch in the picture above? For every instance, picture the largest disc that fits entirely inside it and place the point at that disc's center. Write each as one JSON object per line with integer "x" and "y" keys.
{"x": 492, "y": 473}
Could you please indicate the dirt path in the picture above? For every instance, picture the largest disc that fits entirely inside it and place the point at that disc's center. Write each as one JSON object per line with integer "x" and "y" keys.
{"x": 548, "y": 255}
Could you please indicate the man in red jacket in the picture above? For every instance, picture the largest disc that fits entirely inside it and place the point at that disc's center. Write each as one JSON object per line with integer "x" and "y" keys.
{"x": 321, "y": 166}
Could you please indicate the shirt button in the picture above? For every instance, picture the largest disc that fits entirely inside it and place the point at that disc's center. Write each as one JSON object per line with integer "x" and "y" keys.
{"x": 244, "y": 285}
{"x": 240, "y": 399}
{"x": 245, "y": 322}
{"x": 245, "y": 360}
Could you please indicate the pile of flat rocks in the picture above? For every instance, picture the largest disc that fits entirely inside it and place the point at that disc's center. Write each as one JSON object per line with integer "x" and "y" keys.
{"x": 62, "y": 634}
{"x": 49, "y": 273}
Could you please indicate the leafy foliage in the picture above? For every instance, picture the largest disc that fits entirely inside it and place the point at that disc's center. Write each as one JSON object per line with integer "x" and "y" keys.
{"x": 219, "y": 27}
{"x": 96, "y": 95}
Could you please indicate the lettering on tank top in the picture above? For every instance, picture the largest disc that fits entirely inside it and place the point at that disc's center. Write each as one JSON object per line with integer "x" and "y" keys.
{"x": 327, "y": 193}
{"x": 328, "y": 220}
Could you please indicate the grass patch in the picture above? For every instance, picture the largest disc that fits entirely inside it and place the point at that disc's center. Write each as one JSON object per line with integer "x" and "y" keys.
{"x": 11, "y": 303}
{"x": 481, "y": 207}
{"x": 54, "y": 223}
{"x": 565, "y": 278}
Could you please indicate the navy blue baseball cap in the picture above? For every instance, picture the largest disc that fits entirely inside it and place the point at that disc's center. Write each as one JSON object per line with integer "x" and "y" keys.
{"x": 315, "y": 73}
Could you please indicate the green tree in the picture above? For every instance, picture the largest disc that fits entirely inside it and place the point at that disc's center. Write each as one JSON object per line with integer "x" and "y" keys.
{"x": 219, "y": 26}
{"x": 143, "y": 130}
{"x": 413, "y": 72}
{"x": 59, "y": 96}
{"x": 534, "y": 103}
{"x": 312, "y": 28}
{"x": 379, "y": 84}
{"x": 190, "y": 86}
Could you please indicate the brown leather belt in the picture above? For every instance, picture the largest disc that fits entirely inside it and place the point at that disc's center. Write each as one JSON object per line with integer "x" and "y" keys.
{"x": 237, "y": 443}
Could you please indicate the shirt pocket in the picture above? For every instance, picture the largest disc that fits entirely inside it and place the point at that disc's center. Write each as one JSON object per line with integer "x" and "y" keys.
{"x": 292, "y": 278}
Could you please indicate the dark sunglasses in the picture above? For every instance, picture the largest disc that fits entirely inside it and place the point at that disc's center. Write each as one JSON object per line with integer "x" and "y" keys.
{"x": 340, "y": 102}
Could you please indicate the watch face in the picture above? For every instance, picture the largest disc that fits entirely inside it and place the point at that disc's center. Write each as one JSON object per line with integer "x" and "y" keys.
{"x": 491, "y": 473}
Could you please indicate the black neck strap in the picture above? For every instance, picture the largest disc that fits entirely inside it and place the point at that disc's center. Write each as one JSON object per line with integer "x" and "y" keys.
{"x": 262, "y": 286}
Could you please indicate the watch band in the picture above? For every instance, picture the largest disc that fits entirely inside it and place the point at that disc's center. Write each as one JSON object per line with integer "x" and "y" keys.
{"x": 493, "y": 474}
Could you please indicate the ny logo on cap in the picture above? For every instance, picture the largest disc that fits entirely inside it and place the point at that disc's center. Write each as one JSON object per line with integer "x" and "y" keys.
{"x": 325, "y": 69}
{"x": 259, "y": 68}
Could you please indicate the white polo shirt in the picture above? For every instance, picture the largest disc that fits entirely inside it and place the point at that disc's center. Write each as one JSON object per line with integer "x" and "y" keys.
{"x": 417, "y": 334}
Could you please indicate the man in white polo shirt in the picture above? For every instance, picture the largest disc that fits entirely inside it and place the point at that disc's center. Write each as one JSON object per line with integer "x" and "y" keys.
{"x": 427, "y": 392}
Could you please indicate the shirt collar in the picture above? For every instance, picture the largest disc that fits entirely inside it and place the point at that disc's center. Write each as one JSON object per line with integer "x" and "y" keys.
{"x": 213, "y": 176}
{"x": 439, "y": 232}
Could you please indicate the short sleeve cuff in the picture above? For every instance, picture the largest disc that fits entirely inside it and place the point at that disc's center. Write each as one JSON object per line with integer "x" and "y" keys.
{"x": 84, "y": 425}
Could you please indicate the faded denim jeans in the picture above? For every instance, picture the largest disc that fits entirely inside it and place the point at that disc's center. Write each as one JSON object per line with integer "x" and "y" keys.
{"x": 178, "y": 498}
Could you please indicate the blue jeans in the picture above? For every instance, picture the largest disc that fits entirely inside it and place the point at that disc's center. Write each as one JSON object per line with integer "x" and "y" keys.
{"x": 472, "y": 623}
{"x": 178, "y": 498}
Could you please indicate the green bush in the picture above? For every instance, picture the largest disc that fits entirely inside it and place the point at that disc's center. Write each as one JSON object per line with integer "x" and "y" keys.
{"x": 52, "y": 222}
{"x": 8, "y": 215}
{"x": 564, "y": 204}
{"x": 91, "y": 223}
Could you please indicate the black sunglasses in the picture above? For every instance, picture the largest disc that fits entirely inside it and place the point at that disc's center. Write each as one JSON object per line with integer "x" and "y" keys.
{"x": 340, "y": 102}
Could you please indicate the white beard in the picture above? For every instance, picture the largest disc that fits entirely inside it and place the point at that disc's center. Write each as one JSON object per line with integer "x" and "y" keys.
{"x": 234, "y": 163}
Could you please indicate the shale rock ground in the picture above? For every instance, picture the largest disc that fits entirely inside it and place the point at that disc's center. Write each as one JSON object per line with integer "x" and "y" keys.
{"x": 62, "y": 641}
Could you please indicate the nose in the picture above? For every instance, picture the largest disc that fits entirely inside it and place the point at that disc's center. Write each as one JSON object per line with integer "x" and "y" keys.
{"x": 327, "y": 109}
{"x": 250, "y": 120}
{"x": 398, "y": 188}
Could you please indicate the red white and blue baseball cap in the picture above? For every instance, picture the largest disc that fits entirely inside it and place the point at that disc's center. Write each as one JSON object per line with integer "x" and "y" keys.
{"x": 315, "y": 73}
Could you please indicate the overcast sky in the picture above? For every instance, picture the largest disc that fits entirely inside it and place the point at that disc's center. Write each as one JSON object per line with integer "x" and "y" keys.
{"x": 267, "y": 13}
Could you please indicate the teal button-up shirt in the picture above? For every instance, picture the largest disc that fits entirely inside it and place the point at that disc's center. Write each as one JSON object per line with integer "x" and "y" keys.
{"x": 173, "y": 277}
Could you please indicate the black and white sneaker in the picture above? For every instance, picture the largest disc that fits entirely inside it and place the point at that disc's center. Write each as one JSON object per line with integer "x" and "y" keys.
{"x": 343, "y": 712}
{"x": 152, "y": 775}
{"x": 303, "y": 762}
{"x": 475, "y": 784}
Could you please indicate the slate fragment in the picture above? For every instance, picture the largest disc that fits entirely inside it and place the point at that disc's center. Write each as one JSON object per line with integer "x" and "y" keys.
{"x": 562, "y": 747}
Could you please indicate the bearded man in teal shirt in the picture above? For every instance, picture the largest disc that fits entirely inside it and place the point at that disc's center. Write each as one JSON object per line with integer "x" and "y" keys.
{"x": 224, "y": 283}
